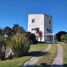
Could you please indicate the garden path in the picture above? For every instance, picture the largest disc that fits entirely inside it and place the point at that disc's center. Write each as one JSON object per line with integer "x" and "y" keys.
{"x": 58, "y": 60}
{"x": 33, "y": 60}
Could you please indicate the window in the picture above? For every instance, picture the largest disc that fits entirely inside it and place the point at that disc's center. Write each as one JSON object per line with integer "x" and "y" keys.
{"x": 33, "y": 20}
{"x": 48, "y": 30}
{"x": 32, "y": 29}
{"x": 49, "y": 21}
{"x": 36, "y": 29}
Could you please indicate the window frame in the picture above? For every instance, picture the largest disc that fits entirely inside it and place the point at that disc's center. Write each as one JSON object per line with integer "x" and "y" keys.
{"x": 33, "y": 20}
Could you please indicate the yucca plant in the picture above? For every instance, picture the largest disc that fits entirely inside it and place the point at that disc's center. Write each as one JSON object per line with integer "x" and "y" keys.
{"x": 2, "y": 47}
{"x": 19, "y": 43}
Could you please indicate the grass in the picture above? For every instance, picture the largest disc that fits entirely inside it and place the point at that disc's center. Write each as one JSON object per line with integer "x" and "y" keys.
{"x": 48, "y": 57}
{"x": 16, "y": 62}
{"x": 38, "y": 47}
{"x": 65, "y": 53}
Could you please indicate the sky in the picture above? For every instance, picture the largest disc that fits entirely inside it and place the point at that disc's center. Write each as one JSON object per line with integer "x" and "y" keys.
{"x": 16, "y": 12}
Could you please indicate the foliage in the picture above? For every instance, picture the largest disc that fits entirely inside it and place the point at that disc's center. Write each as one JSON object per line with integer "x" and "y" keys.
{"x": 59, "y": 34}
{"x": 1, "y": 38}
{"x": 31, "y": 37}
{"x": 19, "y": 43}
{"x": 8, "y": 31}
{"x": 62, "y": 38}
{"x": 12, "y": 31}
{"x": 15, "y": 39}
{"x": 0, "y": 31}
{"x": 65, "y": 38}
{"x": 2, "y": 50}
{"x": 2, "y": 47}
{"x": 17, "y": 29}
{"x": 19, "y": 62}
{"x": 39, "y": 34}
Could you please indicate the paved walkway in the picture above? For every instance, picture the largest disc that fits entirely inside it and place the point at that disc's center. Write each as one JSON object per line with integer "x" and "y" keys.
{"x": 33, "y": 60}
{"x": 58, "y": 60}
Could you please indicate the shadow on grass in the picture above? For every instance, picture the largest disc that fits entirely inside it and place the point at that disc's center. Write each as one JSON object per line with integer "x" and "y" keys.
{"x": 44, "y": 65}
{"x": 36, "y": 53}
{"x": 39, "y": 53}
{"x": 65, "y": 65}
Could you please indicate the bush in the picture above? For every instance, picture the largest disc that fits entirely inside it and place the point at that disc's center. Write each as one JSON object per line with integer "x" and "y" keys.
{"x": 31, "y": 37}
{"x": 2, "y": 50}
{"x": 19, "y": 43}
{"x": 2, "y": 47}
{"x": 65, "y": 39}
{"x": 62, "y": 38}
{"x": 60, "y": 34}
{"x": 5, "y": 51}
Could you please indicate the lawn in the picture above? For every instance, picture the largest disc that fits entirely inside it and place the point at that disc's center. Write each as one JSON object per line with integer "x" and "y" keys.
{"x": 48, "y": 57}
{"x": 65, "y": 53}
{"x": 16, "y": 62}
{"x": 38, "y": 47}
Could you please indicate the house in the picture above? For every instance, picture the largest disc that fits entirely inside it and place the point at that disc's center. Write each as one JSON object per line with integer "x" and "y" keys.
{"x": 41, "y": 26}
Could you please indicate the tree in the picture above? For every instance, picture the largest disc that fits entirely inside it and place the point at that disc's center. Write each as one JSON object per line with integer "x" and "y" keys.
{"x": 8, "y": 31}
{"x": 2, "y": 47}
{"x": 1, "y": 31}
{"x": 59, "y": 34}
{"x": 62, "y": 38}
{"x": 31, "y": 37}
{"x": 39, "y": 34}
{"x": 17, "y": 29}
{"x": 65, "y": 38}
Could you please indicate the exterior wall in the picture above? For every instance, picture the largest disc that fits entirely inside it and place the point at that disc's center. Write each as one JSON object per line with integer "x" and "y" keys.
{"x": 47, "y": 27}
{"x": 40, "y": 21}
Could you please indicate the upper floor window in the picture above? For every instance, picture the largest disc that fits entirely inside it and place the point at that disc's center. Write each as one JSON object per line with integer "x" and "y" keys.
{"x": 36, "y": 29}
{"x": 48, "y": 30}
{"x": 49, "y": 21}
{"x": 33, "y": 20}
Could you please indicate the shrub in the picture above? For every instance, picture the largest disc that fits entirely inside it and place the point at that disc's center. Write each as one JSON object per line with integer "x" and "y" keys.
{"x": 62, "y": 38}
{"x": 59, "y": 34}
{"x": 19, "y": 43}
{"x": 31, "y": 37}
{"x": 2, "y": 50}
{"x": 65, "y": 38}
{"x": 2, "y": 47}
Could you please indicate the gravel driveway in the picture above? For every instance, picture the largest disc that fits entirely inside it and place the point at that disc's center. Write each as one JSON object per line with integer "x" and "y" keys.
{"x": 33, "y": 60}
{"x": 58, "y": 60}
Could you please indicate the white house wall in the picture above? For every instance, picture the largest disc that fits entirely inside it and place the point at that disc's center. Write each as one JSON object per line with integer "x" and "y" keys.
{"x": 41, "y": 22}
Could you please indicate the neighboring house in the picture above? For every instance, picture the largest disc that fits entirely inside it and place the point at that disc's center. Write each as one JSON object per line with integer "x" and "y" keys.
{"x": 41, "y": 26}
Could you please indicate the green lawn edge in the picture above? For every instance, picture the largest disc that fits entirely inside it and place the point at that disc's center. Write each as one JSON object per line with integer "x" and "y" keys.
{"x": 17, "y": 62}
